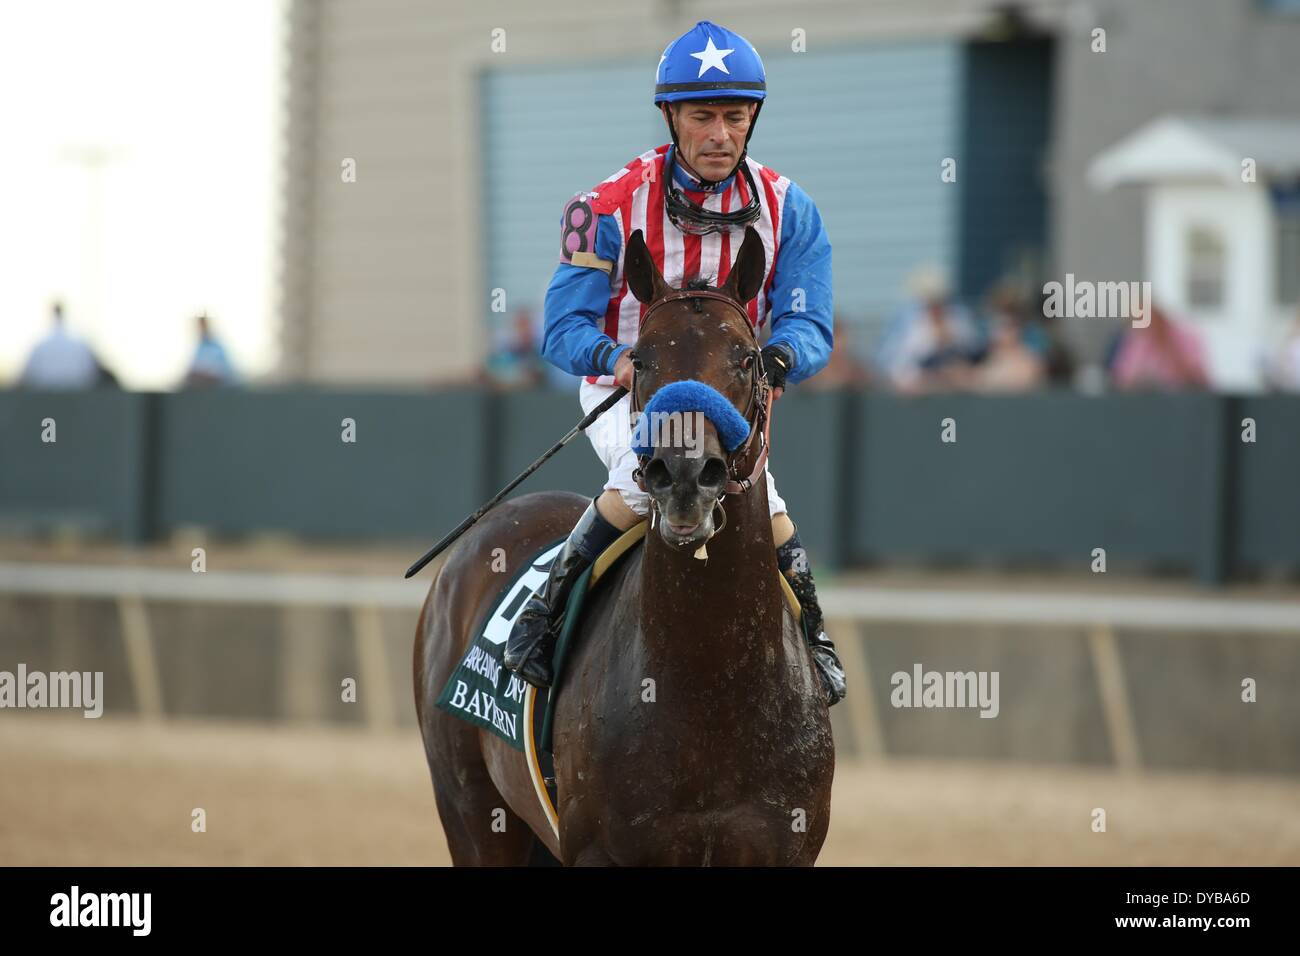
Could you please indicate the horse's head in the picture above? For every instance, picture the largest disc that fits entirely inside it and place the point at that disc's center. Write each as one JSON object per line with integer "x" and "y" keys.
{"x": 699, "y": 434}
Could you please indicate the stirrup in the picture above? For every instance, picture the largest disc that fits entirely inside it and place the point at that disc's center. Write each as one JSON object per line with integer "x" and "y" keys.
{"x": 829, "y": 668}
{"x": 820, "y": 646}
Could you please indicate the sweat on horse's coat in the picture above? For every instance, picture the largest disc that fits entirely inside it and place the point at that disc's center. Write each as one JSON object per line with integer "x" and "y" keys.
{"x": 689, "y": 395}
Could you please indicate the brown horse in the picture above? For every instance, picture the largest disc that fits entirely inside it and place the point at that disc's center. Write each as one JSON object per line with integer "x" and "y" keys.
{"x": 690, "y": 728}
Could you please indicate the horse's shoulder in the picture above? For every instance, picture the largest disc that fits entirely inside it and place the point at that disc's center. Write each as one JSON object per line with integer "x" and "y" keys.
{"x": 514, "y": 530}
{"x": 621, "y": 583}
{"x": 538, "y": 513}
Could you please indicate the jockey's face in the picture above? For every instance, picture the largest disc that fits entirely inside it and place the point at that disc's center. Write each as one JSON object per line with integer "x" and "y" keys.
{"x": 711, "y": 136}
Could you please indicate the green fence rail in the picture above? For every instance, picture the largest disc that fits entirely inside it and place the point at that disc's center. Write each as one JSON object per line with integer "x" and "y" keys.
{"x": 1157, "y": 481}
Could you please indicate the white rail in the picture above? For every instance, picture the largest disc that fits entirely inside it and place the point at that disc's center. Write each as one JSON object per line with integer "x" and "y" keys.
{"x": 845, "y": 608}
{"x": 1166, "y": 612}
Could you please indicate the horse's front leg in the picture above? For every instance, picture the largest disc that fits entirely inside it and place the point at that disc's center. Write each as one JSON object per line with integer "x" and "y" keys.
{"x": 592, "y": 855}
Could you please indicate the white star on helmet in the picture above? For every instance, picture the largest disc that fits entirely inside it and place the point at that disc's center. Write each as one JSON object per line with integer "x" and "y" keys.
{"x": 711, "y": 57}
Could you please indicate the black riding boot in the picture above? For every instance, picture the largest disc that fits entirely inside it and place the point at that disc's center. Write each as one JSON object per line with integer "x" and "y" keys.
{"x": 792, "y": 559}
{"x": 532, "y": 639}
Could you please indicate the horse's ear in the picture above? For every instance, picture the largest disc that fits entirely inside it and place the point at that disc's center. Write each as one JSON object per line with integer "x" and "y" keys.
{"x": 746, "y": 275}
{"x": 643, "y": 276}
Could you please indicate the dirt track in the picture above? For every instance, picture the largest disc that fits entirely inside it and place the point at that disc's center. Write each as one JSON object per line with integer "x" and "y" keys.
{"x": 82, "y": 792}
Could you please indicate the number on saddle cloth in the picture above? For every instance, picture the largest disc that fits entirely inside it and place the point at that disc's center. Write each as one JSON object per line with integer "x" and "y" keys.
{"x": 481, "y": 691}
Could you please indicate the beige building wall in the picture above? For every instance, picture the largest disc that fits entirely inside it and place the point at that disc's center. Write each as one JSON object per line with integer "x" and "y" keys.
{"x": 1194, "y": 57}
{"x": 381, "y": 278}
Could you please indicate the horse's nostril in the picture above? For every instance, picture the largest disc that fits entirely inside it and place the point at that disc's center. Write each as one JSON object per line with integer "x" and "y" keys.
{"x": 713, "y": 474}
{"x": 657, "y": 477}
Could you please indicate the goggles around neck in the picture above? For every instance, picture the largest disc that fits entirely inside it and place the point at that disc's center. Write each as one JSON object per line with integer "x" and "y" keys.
{"x": 694, "y": 220}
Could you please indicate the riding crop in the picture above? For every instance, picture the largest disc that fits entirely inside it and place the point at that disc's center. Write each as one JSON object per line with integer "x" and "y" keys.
{"x": 465, "y": 525}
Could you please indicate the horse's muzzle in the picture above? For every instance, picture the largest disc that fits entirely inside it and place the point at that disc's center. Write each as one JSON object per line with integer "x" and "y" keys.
{"x": 685, "y": 491}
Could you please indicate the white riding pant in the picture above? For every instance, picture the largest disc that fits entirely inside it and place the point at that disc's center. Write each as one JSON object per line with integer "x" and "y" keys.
{"x": 611, "y": 436}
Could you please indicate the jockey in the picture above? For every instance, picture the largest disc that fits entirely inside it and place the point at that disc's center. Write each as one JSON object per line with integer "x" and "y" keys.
{"x": 692, "y": 200}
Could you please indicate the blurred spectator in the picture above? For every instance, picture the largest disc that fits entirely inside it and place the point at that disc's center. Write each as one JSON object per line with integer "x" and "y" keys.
{"x": 1164, "y": 355}
{"x": 1016, "y": 360}
{"x": 1061, "y": 365}
{"x": 211, "y": 365}
{"x": 1282, "y": 369}
{"x": 934, "y": 342}
{"x": 61, "y": 360}
{"x": 843, "y": 370}
{"x": 514, "y": 361}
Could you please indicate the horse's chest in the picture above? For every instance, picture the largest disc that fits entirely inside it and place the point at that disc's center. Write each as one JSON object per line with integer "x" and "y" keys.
{"x": 728, "y": 794}
{"x": 660, "y": 765}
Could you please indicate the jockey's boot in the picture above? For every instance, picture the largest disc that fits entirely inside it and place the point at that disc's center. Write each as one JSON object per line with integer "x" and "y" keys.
{"x": 792, "y": 559}
{"x": 532, "y": 639}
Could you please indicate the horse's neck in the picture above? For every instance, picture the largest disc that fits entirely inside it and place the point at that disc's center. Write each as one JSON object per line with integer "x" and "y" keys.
{"x": 722, "y": 615}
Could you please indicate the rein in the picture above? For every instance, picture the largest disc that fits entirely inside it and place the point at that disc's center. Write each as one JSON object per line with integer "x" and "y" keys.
{"x": 760, "y": 400}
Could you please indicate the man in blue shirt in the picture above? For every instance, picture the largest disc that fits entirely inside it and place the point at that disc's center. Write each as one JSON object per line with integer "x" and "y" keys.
{"x": 210, "y": 365}
{"x": 60, "y": 360}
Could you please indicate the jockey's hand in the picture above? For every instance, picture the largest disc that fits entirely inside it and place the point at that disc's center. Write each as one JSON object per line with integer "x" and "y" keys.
{"x": 623, "y": 371}
{"x": 777, "y": 361}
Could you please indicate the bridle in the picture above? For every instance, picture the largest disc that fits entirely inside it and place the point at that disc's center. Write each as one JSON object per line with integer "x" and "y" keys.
{"x": 760, "y": 399}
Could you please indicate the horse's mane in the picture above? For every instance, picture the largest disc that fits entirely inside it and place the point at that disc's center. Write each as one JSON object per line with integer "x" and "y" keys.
{"x": 699, "y": 282}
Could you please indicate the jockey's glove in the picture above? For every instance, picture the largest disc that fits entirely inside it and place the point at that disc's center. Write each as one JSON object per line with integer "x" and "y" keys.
{"x": 777, "y": 362}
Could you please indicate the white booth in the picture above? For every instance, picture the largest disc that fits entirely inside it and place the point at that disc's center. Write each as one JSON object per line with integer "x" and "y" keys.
{"x": 1222, "y": 230}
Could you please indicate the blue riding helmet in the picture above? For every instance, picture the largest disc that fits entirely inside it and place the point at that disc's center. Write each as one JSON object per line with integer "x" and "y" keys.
{"x": 710, "y": 64}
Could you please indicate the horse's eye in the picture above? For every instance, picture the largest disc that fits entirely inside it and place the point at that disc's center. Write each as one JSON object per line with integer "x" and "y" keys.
{"x": 637, "y": 364}
{"x": 748, "y": 361}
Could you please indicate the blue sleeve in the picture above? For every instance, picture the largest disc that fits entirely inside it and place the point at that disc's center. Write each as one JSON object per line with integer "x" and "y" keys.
{"x": 803, "y": 262}
{"x": 576, "y": 300}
